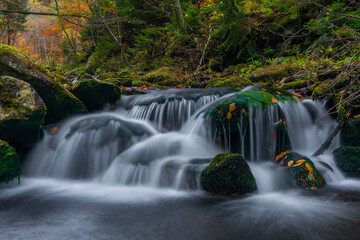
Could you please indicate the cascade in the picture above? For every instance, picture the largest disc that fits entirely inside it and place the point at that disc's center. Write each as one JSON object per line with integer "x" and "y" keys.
{"x": 163, "y": 140}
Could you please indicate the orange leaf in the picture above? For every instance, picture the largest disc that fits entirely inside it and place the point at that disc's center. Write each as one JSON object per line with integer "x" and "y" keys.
{"x": 298, "y": 163}
{"x": 232, "y": 107}
{"x": 290, "y": 163}
{"x": 53, "y": 130}
{"x": 281, "y": 155}
{"x": 274, "y": 100}
{"x": 228, "y": 115}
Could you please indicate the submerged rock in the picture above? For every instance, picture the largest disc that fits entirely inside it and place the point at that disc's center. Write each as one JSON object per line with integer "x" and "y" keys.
{"x": 96, "y": 94}
{"x": 60, "y": 103}
{"x": 9, "y": 163}
{"x": 348, "y": 160}
{"x": 228, "y": 173}
{"x": 22, "y": 113}
{"x": 303, "y": 170}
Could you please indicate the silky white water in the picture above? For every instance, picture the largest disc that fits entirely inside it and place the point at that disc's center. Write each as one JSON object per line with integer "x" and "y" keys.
{"x": 133, "y": 173}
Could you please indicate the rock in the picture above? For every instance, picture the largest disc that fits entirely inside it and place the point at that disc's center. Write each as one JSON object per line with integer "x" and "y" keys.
{"x": 272, "y": 73}
{"x": 348, "y": 160}
{"x": 22, "y": 113}
{"x": 302, "y": 169}
{"x": 165, "y": 76}
{"x": 350, "y": 133}
{"x": 228, "y": 81}
{"x": 9, "y": 163}
{"x": 60, "y": 103}
{"x": 120, "y": 82}
{"x": 96, "y": 94}
{"x": 294, "y": 85}
{"x": 228, "y": 173}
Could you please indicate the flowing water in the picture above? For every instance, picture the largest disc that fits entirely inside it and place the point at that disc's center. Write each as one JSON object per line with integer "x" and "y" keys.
{"x": 133, "y": 173}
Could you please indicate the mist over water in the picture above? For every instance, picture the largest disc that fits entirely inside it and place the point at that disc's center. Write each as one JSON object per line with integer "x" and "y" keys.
{"x": 133, "y": 173}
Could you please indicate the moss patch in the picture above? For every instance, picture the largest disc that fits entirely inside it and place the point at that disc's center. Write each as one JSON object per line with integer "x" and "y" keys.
{"x": 165, "y": 76}
{"x": 9, "y": 163}
{"x": 228, "y": 174}
{"x": 231, "y": 81}
{"x": 348, "y": 160}
{"x": 350, "y": 133}
{"x": 294, "y": 85}
{"x": 272, "y": 73}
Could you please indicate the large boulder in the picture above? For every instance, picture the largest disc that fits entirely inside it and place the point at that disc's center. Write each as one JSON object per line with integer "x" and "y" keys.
{"x": 302, "y": 169}
{"x": 22, "y": 113}
{"x": 95, "y": 94}
{"x": 228, "y": 173}
{"x": 60, "y": 103}
{"x": 232, "y": 118}
{"x": 9, "y": 163}
{"x": 350, "y": 133}
{"x": 348, "y": 160}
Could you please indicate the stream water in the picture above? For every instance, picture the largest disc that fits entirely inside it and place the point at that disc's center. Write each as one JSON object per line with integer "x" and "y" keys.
{"x": 133, "y": 173}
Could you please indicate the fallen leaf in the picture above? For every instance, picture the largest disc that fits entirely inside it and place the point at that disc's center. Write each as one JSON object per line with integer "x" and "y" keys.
{"x": 281, "y": 155}
{"x": 232, "y": 107}
{"x": 274, "y": 100}
{"x": 290, "y": 163}
{"x": 53, "y": 130}
{"x": 284, "y": 124}
{"x": 228, "y": 115}
{"x": 299, "y": 162}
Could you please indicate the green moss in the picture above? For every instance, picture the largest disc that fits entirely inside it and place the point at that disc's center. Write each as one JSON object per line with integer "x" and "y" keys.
{"x": 232, "y": 81}
{"x": 166, "y": 76}
{"x": 96, "y": 94}
{"x": 294, "y": 85}
{"x": 9, "y": 163}
{"x": 120, "y": 82}
{"x": 60, "y": 102}
{"x": 228, "y": 174}
{"x": 272, "y": 73}
{"x": 348, "y": 160}
{"x": 303, "y": 171}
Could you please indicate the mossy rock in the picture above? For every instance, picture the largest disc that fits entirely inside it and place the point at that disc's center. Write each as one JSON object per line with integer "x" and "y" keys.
{"x": 120, "y": 82}
{"x": 9, "y": 163}
{"x": 60, "y": 103}
{"x": 216, "y": 64}
{"x": 294, "y": 85}
{"x": 272, "y": 73}
{"x": 234, "y": 109}
{"x": 231, "y": 81}
{"x": 95, "y": 94}
{"x": 22, "y": 113}
{"x": 165, "y": 77}
{"x": 302, "y": 169}
{"x": 348, "y": 160}
{"x": 228, "y": 174}
{"x": 350, "y": 133}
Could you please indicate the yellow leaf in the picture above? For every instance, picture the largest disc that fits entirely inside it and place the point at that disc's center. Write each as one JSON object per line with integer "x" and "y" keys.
{"x": 244, "y": 110}
{"x": 281, "y": 155}
{"x": 263, "y": 89}
{"x": 290, "y": 163}
{"x": 309, "y": 168}
{"x": 228, "y": 115}
{"x": 232, "y": 107}
{"x": 299, "y": 162}
{"x": 274, "y": 100}
{"x": 278, "y": 92}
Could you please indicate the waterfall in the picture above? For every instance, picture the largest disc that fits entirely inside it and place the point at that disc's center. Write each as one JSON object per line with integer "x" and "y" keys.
{"x": 163, "y": 140}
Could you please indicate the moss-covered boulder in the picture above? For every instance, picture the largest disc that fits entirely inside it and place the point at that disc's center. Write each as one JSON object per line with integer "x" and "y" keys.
{"x": 350, "y": 133}
{"x": 95, "y": 94}
{"x": 60, "y": 103}
{"x": 228, "y": 81}
{"x": 302, "y": 169}
{"x": 120, "y": 82}
{"x": 165, "y": 76}
{"x": 272, "y": 73}
{"x": 348, "y": 160}
{"x": 228, "y": 174}
{"x": 9, "y": 163}
{"x": 22, "y": 113}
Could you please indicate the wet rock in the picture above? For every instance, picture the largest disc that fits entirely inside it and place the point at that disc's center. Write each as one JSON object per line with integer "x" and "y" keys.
{"x": 60, "y": 103}
{"x": 302, "y": 169}
{"x": 9, "y": 163}
{"x": 348, "y": 160}
{"x": 95, "y": 94}
{"x": 228, "y": 174}
{"x": 22, "y": 113}
{"x": 350, "y": 133}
